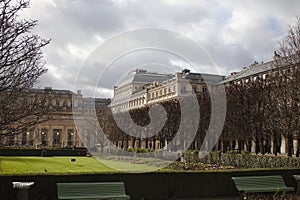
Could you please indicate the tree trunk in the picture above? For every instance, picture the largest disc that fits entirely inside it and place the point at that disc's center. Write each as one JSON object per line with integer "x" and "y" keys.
{"x": 133, "y": 142}
{"x": 290, "y": 145}
{"x": 154, "y": 143}
{"x": 146, "y": 143}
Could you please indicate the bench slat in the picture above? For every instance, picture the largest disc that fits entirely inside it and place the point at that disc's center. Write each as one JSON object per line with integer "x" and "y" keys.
{"x": 94, "y": 190}
{"x": 252, "y": 184}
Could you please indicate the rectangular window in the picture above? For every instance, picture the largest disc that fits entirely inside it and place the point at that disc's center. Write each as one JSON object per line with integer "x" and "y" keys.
{"x": 44, "y": 136}
{"x": 183, "y": 89}
{"x": 57, "y": 137}
{"x": 194, "y": 88}
{"x": 57, "y": 102}
{"x": 70, "y": 137}
{"x": 264, "y": 76}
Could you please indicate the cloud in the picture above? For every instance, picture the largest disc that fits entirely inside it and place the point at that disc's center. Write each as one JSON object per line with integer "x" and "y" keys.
{"x": 233, "y": 33}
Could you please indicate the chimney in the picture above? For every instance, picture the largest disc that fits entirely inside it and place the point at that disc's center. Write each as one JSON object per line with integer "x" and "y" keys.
{"x": 276, "y": 55}
{"x": 48, "y": 88}
{"x": 79, "y": 92}
{"x": 186, "y": 71}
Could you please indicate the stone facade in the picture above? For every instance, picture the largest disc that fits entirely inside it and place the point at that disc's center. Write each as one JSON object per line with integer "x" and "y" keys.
{"x": 133, "y": 93}
{"x": 60, "y": 130}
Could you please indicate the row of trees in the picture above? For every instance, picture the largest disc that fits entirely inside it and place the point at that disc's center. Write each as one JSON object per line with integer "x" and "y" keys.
{"x": 261, "y": 108}
{"x": 264, "y": 110}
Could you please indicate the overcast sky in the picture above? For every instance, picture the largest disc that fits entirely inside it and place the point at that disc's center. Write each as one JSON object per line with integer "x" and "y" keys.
{"x": 233, "y": 34}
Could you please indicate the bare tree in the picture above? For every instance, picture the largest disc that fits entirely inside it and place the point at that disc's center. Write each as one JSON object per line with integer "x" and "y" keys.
{"x": 290, "y": 45}
{"x": 21, "y": 64}
{"x": 289, "y": 84}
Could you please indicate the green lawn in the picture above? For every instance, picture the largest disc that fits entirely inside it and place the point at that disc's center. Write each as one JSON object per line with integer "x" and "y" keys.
{"x": 61, "y": 164}
{"x": 126, "y": 166}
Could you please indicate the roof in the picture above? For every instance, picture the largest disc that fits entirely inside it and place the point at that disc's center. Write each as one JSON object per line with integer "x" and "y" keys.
{"x": 142, "y": 76}
{"x": 255, "y": 68}
{"x": 205, "y": 77}
{"x": 95, "y": 102}
{"x": 50, "y": 91}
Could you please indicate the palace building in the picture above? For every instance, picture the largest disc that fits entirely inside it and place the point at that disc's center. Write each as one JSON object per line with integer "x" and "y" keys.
{"x": 60, "y": 130}
{"x": 141, "y": 88}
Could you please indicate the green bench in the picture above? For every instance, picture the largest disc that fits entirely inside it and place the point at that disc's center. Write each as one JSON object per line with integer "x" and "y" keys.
{"x": 92, "y": 190}
{"x": 259, "y": 184}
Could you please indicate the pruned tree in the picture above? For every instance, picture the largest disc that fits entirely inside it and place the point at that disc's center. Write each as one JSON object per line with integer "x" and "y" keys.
{"x": 21, "y": 64}
{"x": 289, "y": 84}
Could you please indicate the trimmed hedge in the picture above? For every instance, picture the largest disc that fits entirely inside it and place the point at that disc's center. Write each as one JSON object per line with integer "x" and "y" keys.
{"x": 242, "y": 160}
{"x": 43, "y": 152}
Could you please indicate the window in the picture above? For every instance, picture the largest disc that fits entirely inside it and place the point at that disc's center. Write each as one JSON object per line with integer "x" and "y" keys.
{"x": 65, "y": 104}
{"x": 70, "y": 137}
{"x": 57, "y": 102}
{"x": 264, "y": 76}
{"x": 204, "y": 89}
{"x": 25, "y": 101}
{"x": 194, "y": 88}
{"x": 183, "y": 89}
{"x": 11, "y": 138}
{"x": 44, "y": 137}
{"x": 57, "y": 137}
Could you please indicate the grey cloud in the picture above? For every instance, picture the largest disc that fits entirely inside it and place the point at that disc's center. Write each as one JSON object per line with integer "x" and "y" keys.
{"x": 252, "y": 27}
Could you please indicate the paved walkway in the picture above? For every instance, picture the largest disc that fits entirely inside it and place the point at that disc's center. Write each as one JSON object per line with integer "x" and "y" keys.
{"x": 214, "y": 198}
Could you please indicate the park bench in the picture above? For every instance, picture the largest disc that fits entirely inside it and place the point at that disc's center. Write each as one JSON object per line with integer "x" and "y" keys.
{"x": 259, "y": 184}
{"x": 92, "y": 190}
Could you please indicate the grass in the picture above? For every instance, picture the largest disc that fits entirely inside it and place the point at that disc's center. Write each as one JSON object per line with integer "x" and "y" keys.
{"x": 127, "y": 166}
{"x": 62, "y": 165}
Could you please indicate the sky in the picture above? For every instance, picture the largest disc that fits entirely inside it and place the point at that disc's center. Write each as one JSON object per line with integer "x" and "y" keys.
{"x": 94, "y": 43}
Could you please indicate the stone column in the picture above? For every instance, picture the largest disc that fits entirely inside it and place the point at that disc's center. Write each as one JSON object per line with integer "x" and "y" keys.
{"x": 50, "y": 136}
{"x": 283, "y": 145}
{"x": 253, "y": 146}
{"x": 295, "y": 145}
{"x": 272, "y": 144}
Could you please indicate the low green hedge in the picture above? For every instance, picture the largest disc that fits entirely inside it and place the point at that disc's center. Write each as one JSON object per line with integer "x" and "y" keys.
{"x": 242, "y": 160}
